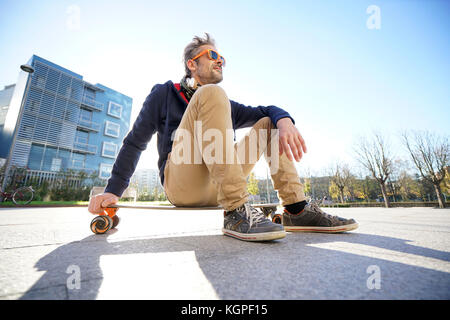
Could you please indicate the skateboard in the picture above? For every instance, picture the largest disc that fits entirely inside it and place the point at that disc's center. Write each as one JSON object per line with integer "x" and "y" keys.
{"x": 108, "y": 219}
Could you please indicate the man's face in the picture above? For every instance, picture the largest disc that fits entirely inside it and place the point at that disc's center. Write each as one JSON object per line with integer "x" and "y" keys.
{"x": 204, "y": 70}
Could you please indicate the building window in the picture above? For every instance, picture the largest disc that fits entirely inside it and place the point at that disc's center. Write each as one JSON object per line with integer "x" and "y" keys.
{"x": 64, "y": 157}
{"x": 33, "y": 105}
{"x": 112, "y": 129}
{"x": 40, "y": 81}
{"x": 26, "y": 132}
{"x": 115, "y": 110}
{"x": 85, "y": 115}
{"x": 89, "y": 93}
{"x": 81, "y": 137}
{"x": 49, "y": 156}
{"x": 35, "y": 158}
{"x": 72, "y": 112}
{"x": 109, "y": 150}
{"x": 78, "y": 160}
{"x": 56, "y": 164}
{"x": 74, "y": 93}
{"x": 105, "y": 170}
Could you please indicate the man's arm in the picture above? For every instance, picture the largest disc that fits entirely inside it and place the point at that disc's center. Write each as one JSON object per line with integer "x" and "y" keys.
{"x": 290, "y": 140}
{"x": 135, "y": 142}
{"x": 246, "y": 116}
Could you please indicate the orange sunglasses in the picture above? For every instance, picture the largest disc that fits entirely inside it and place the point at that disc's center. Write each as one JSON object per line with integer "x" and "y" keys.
{"x": 212, "y": 55}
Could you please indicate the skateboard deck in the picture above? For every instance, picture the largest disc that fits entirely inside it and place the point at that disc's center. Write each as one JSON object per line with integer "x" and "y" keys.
{"x": 172, "y": 207}
{"x": 108, "y": 219}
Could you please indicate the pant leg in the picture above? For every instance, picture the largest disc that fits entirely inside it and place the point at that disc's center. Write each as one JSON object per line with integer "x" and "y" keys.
{"x": 202, "y": 168}
{"x": 262, "y": 139}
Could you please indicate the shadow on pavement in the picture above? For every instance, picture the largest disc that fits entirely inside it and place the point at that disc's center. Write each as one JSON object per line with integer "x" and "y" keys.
{"x": 292, "y": 268}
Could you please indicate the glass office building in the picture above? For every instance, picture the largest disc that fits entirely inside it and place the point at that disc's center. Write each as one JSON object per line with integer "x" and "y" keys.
{"x": 63, "y": 122}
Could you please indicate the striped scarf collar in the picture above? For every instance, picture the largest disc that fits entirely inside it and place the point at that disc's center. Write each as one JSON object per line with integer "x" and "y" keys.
{"x": 188, "y": 86}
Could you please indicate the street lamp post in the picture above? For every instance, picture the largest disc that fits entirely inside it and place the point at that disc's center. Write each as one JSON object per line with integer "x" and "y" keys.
{"x": 29, "y": 69}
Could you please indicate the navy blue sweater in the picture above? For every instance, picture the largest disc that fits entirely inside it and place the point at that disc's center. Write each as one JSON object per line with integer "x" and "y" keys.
{"x": 161, "y": 113}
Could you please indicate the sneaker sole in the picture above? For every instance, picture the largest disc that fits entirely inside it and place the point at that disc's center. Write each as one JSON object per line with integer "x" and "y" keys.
{"x": 337, "y": 229}
{"x": 266, "y": 236}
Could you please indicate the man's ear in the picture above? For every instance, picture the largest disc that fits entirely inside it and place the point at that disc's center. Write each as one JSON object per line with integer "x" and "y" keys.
{"x": 192, "y": 65}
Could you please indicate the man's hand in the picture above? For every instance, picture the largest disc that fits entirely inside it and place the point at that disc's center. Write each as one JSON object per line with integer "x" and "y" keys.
{"x": 291, "y": 142}
{"x": 101, "y": 201}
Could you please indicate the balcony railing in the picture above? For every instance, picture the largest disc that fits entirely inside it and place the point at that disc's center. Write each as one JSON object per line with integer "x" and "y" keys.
{"x": 53, "y": 178}
{"x": 84, "y": 148}
{"x": 91, "y": 103}
{"x": 88, "y": 125}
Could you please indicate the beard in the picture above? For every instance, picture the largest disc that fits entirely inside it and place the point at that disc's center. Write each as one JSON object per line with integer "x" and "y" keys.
{"x": 211, "y": 77}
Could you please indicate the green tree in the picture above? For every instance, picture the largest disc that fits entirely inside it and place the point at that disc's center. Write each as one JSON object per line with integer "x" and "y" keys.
{"x": 334, "y": 191}
{"x": 307, "y": 186}
{"x": 409, "y": 188}
{"x": 252, "y": 184}
{"x": 445, "y": 185}
{"x": 340, "y": 177}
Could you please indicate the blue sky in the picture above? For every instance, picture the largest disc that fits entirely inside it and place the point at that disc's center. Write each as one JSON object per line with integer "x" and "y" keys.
{"x": 316, "y": 59}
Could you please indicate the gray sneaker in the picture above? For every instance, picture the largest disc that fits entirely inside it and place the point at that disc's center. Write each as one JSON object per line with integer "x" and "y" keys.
{"x": 249, "y": 224}
{"x": 313, "y": 219}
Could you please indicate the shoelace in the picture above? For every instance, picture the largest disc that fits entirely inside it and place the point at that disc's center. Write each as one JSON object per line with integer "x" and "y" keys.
{"x": 253, "y": 215}
{"x": 314, "y": 207}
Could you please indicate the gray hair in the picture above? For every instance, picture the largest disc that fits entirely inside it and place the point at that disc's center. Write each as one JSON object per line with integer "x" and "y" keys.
{"x": 192, "y": 49}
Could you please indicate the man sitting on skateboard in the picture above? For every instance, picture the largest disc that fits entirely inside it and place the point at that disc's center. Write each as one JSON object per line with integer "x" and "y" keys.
{"x": 200, "y": 165}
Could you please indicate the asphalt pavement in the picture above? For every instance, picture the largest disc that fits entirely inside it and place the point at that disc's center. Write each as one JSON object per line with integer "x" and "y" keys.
{"x": 50, "y": 253}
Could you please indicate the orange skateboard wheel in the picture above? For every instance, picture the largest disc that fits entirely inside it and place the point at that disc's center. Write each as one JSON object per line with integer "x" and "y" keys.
{"x": 101, "y": 224}
{"x": 277, "y": 218}
{"x": 106, "y": 221}
{"x": 115, "y": 221}
{"x": 111, "y": 212}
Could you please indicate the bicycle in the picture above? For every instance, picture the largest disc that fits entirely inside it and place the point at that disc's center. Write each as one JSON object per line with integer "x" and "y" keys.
{"x": 20, "y": 196}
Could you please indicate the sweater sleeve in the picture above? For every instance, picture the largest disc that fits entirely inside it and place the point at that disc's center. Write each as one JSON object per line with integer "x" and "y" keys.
{"x": 135, "y": 142}
{"x": 246, "y": 116}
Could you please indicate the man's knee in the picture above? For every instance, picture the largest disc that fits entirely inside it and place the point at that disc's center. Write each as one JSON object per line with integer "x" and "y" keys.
{"x": 211, "y": 95}
{"x": 264, "y": 123}
{"x": 210, "y": 90}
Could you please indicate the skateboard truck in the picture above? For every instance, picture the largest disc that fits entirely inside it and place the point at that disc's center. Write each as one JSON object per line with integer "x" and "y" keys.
{"x": 271, "y": 212}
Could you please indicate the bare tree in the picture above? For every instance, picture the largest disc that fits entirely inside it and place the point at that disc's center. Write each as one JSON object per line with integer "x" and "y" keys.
{"x": 399, "y": 168}
{"x": 430, "y": 154}
{"x": 340, "y": 176}
{"x": 374, "y": 155}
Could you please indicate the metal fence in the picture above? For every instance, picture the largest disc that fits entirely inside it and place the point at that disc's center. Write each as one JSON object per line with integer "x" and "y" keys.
{"x": 22, "y": 177}
{"x": 52, "y": 178}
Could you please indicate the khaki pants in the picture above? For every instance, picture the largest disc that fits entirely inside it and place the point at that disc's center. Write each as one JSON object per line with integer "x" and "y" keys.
{"x": 206, "y": 168}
